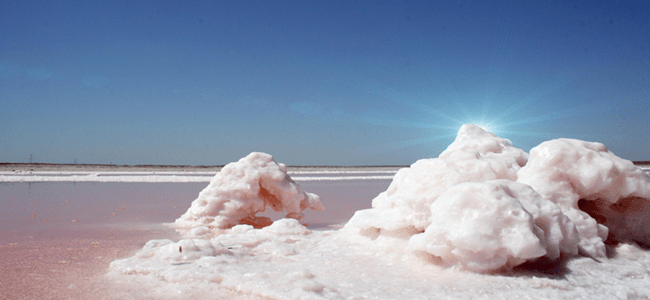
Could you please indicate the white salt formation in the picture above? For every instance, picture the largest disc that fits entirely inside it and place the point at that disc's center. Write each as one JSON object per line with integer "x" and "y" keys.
{"x": 241, "y": 190}
{"x": 239, "y": 241}
{"x": 600, "y": 192}
{"x": 482, "y": 206}
{"x": 475, "y": 156}
{"x": 531, "y": 212}
{"x": 485, "y": 226}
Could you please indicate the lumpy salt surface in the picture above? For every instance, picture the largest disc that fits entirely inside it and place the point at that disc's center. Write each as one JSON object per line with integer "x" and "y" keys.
{"x": 483, "y": 220}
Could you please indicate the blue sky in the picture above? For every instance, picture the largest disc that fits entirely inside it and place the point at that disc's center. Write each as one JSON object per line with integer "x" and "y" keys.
{"x": 316, "y": 82}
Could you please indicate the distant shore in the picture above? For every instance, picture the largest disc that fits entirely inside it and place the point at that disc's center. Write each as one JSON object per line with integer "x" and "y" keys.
{"x": 50, "y": 167}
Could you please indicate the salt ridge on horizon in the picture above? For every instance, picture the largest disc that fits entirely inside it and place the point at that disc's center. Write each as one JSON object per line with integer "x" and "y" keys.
{"x": 79, "y": 176}
{"x": 190, "y": 176}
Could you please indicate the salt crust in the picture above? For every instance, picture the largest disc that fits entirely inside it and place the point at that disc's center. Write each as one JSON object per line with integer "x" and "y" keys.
{"x": 475, "y": 156}
{"x": 244, "y": 188}
{"x": 482, "y": 206}
{"x": 535, "y": 198}
{"x": 614, "y": 192}
{"x": 484, "y": 226}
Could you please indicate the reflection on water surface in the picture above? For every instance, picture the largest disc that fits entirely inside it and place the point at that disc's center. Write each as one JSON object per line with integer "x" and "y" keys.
{"x": 57, "y": 238}
{"x": 37, "y": 208}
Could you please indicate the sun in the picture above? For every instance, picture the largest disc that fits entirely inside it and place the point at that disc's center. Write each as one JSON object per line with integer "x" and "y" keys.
{"x": 485, "y": 126}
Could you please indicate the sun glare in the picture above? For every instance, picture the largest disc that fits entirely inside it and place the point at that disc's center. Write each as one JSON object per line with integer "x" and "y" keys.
{"x": 485, "y": 126}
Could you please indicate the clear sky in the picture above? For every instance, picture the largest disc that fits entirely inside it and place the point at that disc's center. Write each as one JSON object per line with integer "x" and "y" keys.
{"x": 316, "y": 82}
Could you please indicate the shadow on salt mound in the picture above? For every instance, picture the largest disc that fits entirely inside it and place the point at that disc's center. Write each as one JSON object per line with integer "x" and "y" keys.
{"x": 604, "y": 195}
{"x": 543, "y": 267}
{"x": 627, "y": 220}
{"x": 242, "y": 189}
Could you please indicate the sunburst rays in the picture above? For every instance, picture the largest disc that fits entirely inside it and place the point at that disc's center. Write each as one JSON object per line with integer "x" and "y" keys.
{"x": 437, "y": 113}
{"x": 521, "y": 116}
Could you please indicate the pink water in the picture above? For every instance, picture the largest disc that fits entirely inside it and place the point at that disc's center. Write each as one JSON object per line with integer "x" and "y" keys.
{"x": 57, "y": 239}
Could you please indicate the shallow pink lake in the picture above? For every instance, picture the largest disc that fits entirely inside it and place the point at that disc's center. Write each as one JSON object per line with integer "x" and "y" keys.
{"x": 58, "y": 238}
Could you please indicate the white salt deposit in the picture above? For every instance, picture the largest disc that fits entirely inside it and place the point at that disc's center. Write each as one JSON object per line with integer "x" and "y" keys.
{"x": 48, "y": 176}
{"x": 475, "y": 156}
{"x": 241, "y": 190}
{"x": 483, "y": 220}
{"x": 573, "y": 173}
{"x": 486, "y": 226}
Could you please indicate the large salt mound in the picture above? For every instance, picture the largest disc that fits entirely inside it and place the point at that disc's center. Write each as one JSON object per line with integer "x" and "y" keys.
{"x": 486, "y": 226}
{"x": 241, "y": 190}
{"x": 475, "y": 156}
{"x": 600, "y": 192}
{"x": 484, "y": 205}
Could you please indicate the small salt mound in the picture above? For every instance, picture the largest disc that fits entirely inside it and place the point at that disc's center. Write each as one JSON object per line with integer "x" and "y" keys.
{"x": 600, "y": 192}
{"x": 475, "y": 156}
{"x": 487, "y": 226}
{"x": 241, "y": 190}
{"x": 233, "y": 247}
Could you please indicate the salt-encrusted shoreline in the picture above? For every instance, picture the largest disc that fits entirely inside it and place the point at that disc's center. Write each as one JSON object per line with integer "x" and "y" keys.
{"x": 49, "y": 167}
